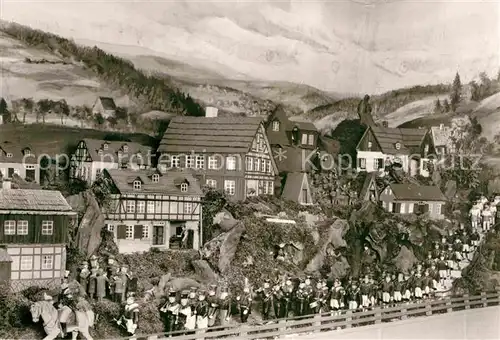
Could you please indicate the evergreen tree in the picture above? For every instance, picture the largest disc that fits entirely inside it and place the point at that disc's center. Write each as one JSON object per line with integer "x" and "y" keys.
{"x": 456, "y": 92}
{"x": 438, "y": 108}
{"x": 446, "y": 105}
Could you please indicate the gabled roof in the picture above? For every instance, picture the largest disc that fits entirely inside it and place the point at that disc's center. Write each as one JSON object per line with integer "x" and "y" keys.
{"x": 16, "y": 150}
{"x": 441, "y": 136}
{"x": 33, "y": 200}
{"x": 412, "y": 192}
{"x": 369, "y": 179}
{"x": 111, "y": 154}
{"x": 294, "y": 185}
{"x": 223, "y": 135}
{"x": 169, "y": 183}
{"x": 387, "y": 138}
{"x": 107, "y": 103}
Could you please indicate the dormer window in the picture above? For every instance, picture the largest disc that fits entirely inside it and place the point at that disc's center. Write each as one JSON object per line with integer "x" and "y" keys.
{"x": 184, "y": 187}
{"x": 105, "y": 146}
{"x": 370, "y": 144}
{"x": 295, "y": 136}
{"x": 137, "y": 185}
{"x": 276, "y": 125}
{"x": 397, "y": 145}
{"x": 155, "y": 178}
{"x": 125, "y": 148}
{"x": 27, "y": 152}
{"x": 426, "y": 148}
{"x": 9, "y": 155}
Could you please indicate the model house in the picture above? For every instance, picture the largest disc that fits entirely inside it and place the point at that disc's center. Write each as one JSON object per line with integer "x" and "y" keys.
{"x": 150, "y": 209}
{"x": 414, "y": 199}
{"x": 441, "y": 138}
{"x": 105, "y": 106}
{"x": 407, "y": 149}
{"x": 20, "y": 160}
{"x": 94, "y": 155}
{"x": 297, "y": 188}
{"x": 230, "y": 154}
{"x": 33, "y": 234}
{"x": 294, "y": 141}
{"x": 369, "y": 190}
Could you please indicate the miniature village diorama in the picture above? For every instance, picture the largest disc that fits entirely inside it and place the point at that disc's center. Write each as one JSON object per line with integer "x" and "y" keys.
{"x": 180, "y": 246}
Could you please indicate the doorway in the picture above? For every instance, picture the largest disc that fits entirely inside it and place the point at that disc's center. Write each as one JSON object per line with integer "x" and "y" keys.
{"x": 158, "y": 235}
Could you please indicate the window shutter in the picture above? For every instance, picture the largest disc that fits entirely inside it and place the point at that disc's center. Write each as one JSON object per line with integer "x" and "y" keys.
{"x": 137, "y": 232}
{"x": 121, "y": 233}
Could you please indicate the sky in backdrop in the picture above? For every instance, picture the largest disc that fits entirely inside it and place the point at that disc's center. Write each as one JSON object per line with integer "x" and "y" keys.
{"x": 352, "y": 46}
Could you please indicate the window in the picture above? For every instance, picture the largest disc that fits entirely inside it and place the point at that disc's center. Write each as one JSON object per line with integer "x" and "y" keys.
{"x": 97, "y": 172}
{"x": 184, "y": 187}
{"x": 268, "y": 166}
{"x": 263, "y": 165}
{"x": 175, "y": 162}
{"x": 430, "y": 208}
{"x": 137, "y": 185}
{"x": 425, "y": 165}
{"x": 151, "y": 207}
{"x": 125, "y": 148}
{"x": 369, "y": 145}
{"x": 22, "y": 227}
{"x": 311, "y": 139}
{"x": 268, "y": 188}
{"x": 100, "y": 152}
{"x": 212, "y": 163}
{"x": 230, "y": 163}
{"x": 257, "y": 164}
{"x": 362, "y": 163}
{"x": 396, "y": 208}
{"x": 378, "y": 164}
{"x": 111, "y": 228}
{"x": 276, "y": 125}
{"x": 249, "y": 164}
{"x": 129, "y": 233}
{"x": 212, "y": 183}
{"x": 141, "y": 207}
{"x": 145, "y": 231}
{"x": 189, "y": 161}
{"x": 304, "y": 139}
{"x": 26, "y": 263}
{"x": 438, "y": 209}
{"x": 105, "y": 146}
{"x": 200, "y": 162}
{"x": 9, "y": 227}
{"x": 426, "y": 148}
{"x": 130, "y": 207}
{"x": 155, "y": 178}
{"x": 402, "y": 208}
{"x": 305, "y": 196}
{"x": 9, "y": 155}
{"x": 27, "y": 152}
{"x": 188, "y": 207}
{"x": 47, "y": 227}
{"x": 230, "y": 187}
{"x": 47, "y": 262}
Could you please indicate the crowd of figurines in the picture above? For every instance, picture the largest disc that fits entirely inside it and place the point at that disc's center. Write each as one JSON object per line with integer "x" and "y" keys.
{"x": 284, "y": 297}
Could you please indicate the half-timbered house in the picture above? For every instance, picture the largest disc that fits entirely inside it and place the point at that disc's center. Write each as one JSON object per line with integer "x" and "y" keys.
{"x": 94, "y": 155}
{"x": 408, "y": 149}
{"x": 33, "y": 234}
{"x": 149, "y": 209}
{"x": 20, "y": 160}
{"x": 230, "y": 154}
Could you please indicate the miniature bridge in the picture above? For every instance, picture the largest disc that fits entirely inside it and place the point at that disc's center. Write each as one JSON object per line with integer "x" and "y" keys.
{"x": 465, "y": 317}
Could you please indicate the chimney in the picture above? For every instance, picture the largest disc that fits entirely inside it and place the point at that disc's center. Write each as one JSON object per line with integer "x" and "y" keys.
{"x": 385, "y": 123}
{"x": 211, "y": 112}
{"x": 6, "y": 183}
{"x": 441, "y": 126}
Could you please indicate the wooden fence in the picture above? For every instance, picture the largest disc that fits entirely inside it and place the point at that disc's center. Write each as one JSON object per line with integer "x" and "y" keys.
{"x": 327, "y": 322}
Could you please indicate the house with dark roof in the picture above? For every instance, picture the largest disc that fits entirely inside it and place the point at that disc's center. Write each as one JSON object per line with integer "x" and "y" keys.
{"x": 414, "y": 199}
{"x": 19, "y": 159}
{"x": 94, "y": 155}
{"x": 297, "y": 188}
{"x": 151, "y": 209}
{"x": 33, "y": 234}
{"x": 227, "y": 153}
{"x": 105, "y": 106}
{"x": 406, "y": 149}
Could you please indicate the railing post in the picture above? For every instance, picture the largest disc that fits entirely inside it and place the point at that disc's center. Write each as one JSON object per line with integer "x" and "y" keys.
{"x": 153, "y": 337}
{"x": 317, "y": 323}
{"x": 428, "y": 308}
{"x": 404, "y": 311}
{"x": 348, "y": 319}
{"x": 243, "y": 331}
{"x": 449, "y": 309}
{"x": 466, "y": 301}
{"x": 483, "y": 298}
{"x": 378, "y": 315}
{"x": 282, "y": 327}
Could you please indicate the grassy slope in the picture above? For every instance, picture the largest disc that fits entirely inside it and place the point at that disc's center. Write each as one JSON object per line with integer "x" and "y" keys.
{"x": 52, "y": 140}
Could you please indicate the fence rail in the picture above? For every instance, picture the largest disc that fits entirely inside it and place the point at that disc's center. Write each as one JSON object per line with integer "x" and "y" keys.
{"x": 326, "y": 322}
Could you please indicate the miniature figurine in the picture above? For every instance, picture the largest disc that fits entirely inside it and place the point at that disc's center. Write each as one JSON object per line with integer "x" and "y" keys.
{"x": 265, "y": 293}
{"x": 213, "y": 305}
{"x": 185, "y": 320}
{"x": 387, "y": 291}
{"x": 83, "y": 275}
{"x": 398, "y": 288}
{"x": 224, "y": 306}
{"x": 286, "y": 299}
{"x": 245, "y": 303}
{"x": 101, "y": 281}
{"x": 124, "y": 280}
{"x": 337, "y": 297}
{"x": 201, "y": 311}
{"x": 353, "y": 296}
{"x": 130, "y": 316}
{"x": 94, "y": 262}
{"x": 92, "y": 283}
{"x": 118, "y": 288}
{"x": 365, "y": 289}
{"x": 170, "y": 311}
